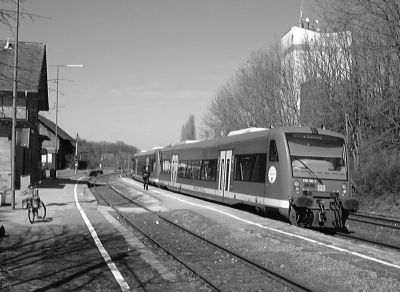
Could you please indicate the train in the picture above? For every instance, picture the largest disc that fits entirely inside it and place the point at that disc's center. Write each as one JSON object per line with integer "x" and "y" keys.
{"x": 300, "y": 172}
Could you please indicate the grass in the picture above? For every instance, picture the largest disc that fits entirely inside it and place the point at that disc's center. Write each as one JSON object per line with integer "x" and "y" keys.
{"x": 378, "y": 181}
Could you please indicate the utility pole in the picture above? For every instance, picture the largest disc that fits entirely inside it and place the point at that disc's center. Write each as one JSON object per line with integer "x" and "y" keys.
{"x": 76, "y": 153}
{"x": 14, "y": 114}
{"x": 56, "y": 139}
{"x": 347, "y": 128}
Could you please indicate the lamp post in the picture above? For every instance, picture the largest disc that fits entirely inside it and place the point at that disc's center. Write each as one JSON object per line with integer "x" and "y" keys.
{"x": 56, "y": 149}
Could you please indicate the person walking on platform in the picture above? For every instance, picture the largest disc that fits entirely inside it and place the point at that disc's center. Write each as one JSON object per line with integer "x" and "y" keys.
{"x": 146, "y": 176}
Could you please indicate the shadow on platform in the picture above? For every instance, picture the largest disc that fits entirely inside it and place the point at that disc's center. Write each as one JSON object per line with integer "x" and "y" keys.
{"x": 59, "y": 183}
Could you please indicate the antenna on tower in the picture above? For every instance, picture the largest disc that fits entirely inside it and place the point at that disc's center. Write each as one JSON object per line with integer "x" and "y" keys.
{"x": 301, "y": 23}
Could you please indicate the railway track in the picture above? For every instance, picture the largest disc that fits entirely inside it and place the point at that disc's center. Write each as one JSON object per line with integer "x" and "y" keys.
{"x": 221, "y": 268}
{"x": 370, "y": 241}
{"x": 380, "y": 220}
{"x": 375, "y": 229}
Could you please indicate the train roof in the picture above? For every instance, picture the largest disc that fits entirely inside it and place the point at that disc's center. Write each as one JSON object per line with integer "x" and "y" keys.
{"x": 309, "y": 130}
{"x": 262, "y": 133}
{"x": 148, "y": 151}
{"x": 238, "y": 136}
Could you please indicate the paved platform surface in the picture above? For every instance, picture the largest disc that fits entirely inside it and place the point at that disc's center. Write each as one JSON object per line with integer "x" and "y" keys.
{"x": 60, "y": 253}
{"x": 55, "y": 193}
{"x": 32, "y": 255}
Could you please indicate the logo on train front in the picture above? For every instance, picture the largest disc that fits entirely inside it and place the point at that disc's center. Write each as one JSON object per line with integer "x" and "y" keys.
{"x": 272, "y": 174}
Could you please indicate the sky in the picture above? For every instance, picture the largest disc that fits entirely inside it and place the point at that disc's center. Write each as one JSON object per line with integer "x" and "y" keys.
{"x": 148, "y": 64}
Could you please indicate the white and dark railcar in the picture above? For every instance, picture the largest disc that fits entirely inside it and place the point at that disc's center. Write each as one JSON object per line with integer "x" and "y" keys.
{"x": 301, "y": 172}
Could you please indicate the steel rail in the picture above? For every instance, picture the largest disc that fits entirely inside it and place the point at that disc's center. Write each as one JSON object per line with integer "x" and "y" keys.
{"x": 168, "y": 251}
{"x": 374, "y": 215}
{"x": 359, "y": 238}
{"x": 391, "y": 222}
{"x": 292, "y": 284}
{"x": 272, "y": 274}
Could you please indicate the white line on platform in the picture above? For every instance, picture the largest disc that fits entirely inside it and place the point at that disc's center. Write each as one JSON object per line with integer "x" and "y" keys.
{"x": 276, "y": 230}
{"x": 113, "y": 268}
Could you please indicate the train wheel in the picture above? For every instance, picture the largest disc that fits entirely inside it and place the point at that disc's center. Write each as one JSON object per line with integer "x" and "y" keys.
{"x": 298, "y": 217}
{"x": 293, "y": 216}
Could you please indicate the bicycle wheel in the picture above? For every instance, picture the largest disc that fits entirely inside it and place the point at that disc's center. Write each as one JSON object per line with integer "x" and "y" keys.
{"x": 41, "y": 211}
{"x": 31, "y": 215}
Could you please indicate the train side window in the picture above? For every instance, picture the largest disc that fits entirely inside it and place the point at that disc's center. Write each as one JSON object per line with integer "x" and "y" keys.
{"x": 208, "y": 170}
{"x": 221, "y": 173}
{"x": 151, "y": 165}
{"x": 259, "y": 169}
{"x": 273, "y": 151}
{"x": 195, "y": 169}
{"x": 250, "y": 167}
{"x": 166, "y": 166}
{"x": 181, "y": 169}
{"x": 188, "y": 173}
{"x": 203, "y": 170}
{"x": 212, "y": 170}
{"x": 238, "y": 170}
{"x": 227, "y": 172}
{"x": 244, "y": 167}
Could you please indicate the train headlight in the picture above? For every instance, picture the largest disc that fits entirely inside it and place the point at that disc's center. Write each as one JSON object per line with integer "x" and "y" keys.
{"x": 296, "y": 184}
{"x": 344, "y": 189}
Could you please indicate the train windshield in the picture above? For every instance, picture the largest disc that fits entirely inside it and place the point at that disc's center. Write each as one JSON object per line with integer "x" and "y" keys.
{"x": 317, "y": 156}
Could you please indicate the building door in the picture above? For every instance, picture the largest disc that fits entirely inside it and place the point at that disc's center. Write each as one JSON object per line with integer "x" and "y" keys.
{"x": 224, "y": 177}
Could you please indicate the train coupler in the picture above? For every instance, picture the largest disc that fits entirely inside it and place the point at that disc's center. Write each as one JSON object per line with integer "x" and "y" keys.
{"x": 322, "y": 214}
{"x": 337, "y": 211}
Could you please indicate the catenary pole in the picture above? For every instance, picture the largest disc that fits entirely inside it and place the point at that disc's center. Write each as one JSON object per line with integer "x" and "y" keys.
{"x": 14, "y": 114}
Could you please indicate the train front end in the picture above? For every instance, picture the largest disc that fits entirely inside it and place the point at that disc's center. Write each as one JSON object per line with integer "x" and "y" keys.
{"x": 321, "y": 191}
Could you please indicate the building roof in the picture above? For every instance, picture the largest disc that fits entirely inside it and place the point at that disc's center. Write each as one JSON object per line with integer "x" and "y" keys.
{"x": 32, "y": 71}
{"x": 52, "y": 127}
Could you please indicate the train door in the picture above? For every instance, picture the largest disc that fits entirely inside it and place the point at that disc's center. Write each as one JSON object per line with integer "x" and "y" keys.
{"x": 224, "y": 178}
{"x": 174, "y": 168}
{"x": 136, "y": 165}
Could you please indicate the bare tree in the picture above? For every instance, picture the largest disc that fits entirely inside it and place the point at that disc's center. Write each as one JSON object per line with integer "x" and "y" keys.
{"x": 260, "y": 94}
{"x": 374, "y": 84}
{"x": 189, "y": 129}
{"x": 8, "y": 14}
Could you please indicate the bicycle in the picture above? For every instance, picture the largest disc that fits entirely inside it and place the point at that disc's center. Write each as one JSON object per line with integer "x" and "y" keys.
{"x": 36, "y": 207}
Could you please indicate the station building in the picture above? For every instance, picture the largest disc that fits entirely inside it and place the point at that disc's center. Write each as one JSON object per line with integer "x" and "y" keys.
{"x": 65, "y": 143}
{"x": 32, "y": 97}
